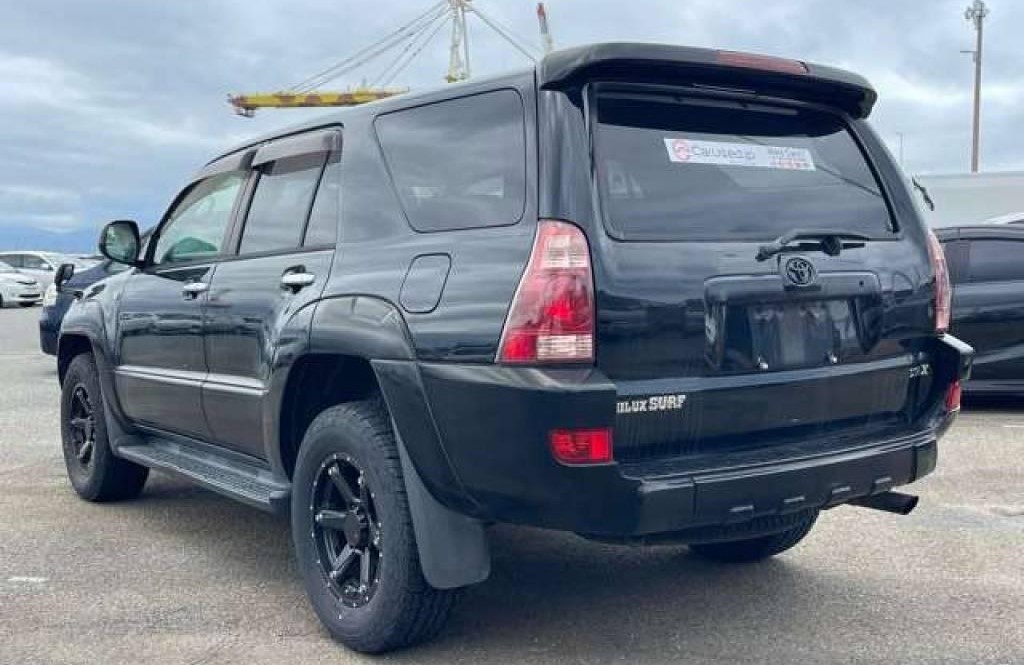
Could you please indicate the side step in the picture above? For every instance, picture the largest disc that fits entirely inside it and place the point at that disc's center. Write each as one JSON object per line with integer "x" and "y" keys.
{"x": 225, "y": 473}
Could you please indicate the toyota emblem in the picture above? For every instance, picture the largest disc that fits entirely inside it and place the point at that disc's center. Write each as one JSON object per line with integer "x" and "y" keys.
{"x": 798, "y": 271}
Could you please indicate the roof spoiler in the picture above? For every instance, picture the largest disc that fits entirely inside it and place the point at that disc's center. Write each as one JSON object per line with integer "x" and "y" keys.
{"x": 659, "y": 63}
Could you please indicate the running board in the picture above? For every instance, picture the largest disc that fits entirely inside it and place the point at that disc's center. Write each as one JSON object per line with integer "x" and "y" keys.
{"x": 220, "y": 472}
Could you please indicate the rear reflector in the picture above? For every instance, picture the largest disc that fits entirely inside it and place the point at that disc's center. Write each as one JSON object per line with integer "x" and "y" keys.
{"x": 762, "y": 62}
{"x": 582, "y": 446}
{"x": 551, "y": 319}
{"x": 943, "y": 292}
{"x": 953, "y": 396}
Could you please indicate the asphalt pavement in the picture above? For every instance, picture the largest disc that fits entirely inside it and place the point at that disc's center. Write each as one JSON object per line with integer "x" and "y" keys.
{"x": 184, "y": 576}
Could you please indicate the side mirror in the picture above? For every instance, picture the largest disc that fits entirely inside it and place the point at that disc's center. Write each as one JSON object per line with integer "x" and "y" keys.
{"x": 119, "y": 242}
{"x": 65, "y": 272}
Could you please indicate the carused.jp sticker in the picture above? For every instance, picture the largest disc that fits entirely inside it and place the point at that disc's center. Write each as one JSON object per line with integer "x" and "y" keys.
{"x": 725, "y": 153}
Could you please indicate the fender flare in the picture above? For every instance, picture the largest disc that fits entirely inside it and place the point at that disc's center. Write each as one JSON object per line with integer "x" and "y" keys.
{"x": 452, "y": 545}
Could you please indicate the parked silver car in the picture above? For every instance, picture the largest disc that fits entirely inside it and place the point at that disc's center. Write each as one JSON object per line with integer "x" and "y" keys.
{"x": 17, "y": 287}
{"x": 40, "y": 265}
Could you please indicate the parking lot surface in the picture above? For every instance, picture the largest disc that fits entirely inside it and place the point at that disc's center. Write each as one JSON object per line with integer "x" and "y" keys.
{"x": 184, "y": 576}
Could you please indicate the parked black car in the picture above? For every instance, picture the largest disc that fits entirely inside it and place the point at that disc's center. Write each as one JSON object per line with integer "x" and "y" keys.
{"x": 642, "y": 293}
{"x": 986, "y": 266}
{"x": 57, "y": 301}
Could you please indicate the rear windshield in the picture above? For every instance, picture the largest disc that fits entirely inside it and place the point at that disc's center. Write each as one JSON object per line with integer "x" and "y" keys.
{"x": 681, "y": 168}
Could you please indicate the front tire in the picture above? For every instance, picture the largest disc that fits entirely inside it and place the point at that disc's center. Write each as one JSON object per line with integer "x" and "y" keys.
{"x": 95, "y": 473}
{"x": 353, "y": 534}
{"x": 756, "y": 549}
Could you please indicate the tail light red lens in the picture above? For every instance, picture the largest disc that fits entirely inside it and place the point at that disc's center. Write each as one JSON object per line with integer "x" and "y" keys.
{"x": 943, "y": 292}
{"x": 551, "y": 319}
{"x": 953, "y": 396}
{"x": 582, "y": 446}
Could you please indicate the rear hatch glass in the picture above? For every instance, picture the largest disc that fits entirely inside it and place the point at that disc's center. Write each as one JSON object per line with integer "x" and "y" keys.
{"x": 674, "y": 168}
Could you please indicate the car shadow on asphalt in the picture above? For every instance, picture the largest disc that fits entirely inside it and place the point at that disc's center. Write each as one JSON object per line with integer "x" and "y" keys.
{"x": 549, "y": 592}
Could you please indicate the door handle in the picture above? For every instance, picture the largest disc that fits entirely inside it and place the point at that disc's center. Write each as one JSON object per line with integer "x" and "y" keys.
{"x": 193, "y": 290}
{"x": 297, "y": 280}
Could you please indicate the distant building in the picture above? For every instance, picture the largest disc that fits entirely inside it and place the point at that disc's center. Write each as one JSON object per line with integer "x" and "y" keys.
{"x": 965, "y": 198}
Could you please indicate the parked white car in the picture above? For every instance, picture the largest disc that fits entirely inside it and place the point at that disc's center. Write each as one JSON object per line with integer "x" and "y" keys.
{"x": 17, "y": 287}
{"x": 40, "y": 265}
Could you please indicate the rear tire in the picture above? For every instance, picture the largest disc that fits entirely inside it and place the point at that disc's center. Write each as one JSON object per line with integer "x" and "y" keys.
{"x": 350, "y": 511}
{"x": 95, "y": 473}
{"x": 756, "y": 549}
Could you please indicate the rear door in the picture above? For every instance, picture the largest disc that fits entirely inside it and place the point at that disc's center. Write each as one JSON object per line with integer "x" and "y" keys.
{"x": 988, "y": 304}
{"x": 283, "y": 250}
{"x": 739, "y": 350}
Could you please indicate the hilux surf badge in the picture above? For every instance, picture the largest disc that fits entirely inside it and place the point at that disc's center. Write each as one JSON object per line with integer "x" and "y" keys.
{"x": 651, "y": 404}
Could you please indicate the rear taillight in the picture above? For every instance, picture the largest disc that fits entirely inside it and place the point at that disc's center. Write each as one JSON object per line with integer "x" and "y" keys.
{"x": 582, "y": 446}
{"x": 953, "y": 394}
{"x": 551, "y": 319}
{"x": 943, "y": 292}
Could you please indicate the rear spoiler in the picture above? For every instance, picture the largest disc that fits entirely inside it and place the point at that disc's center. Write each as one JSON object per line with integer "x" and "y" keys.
{"x": 682, "y": 65}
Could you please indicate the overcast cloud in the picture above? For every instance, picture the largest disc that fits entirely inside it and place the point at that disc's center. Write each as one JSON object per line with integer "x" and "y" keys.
{"x": 106, "y": 107}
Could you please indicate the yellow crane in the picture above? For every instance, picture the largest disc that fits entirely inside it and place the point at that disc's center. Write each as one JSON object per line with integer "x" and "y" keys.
{"x": 404, "y": 45}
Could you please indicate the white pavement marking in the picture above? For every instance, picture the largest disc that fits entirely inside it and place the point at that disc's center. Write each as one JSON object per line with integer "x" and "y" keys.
{"x": 24, "y": 579}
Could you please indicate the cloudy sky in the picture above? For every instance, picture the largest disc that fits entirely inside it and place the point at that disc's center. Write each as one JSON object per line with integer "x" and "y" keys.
{"x": 107, "y": 106}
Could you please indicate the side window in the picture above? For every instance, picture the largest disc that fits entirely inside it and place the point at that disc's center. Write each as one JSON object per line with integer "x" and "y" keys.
{"x": 196, "y": 227}
{"x": 30, "y": 262}
{"x": 460, "y": 163}
{"x": 996, "y": 260}
{"x": 322, "y": 228}
{"x": 13, "y": 260}
{"x": 281, "y": 204}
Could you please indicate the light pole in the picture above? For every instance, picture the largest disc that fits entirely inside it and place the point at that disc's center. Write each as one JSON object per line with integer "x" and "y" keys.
{"x": 976, "y": 14}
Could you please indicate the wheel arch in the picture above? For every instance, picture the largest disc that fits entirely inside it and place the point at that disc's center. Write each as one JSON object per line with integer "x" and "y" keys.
{"x": 359, "y": 346}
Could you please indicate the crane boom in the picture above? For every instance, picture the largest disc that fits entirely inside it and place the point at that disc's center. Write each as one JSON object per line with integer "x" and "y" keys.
{"x": 407, "y": 41}
{"x": 246, "y": 105}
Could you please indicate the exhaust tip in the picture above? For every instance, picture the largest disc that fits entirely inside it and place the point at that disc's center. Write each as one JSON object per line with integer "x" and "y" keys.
{"x": 890, "y": 502}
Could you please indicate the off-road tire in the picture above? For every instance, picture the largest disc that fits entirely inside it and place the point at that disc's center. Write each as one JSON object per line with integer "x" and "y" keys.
{"x": 404, "y": 609}
{"x": 102, "y": 476}
{"x": 756, "y": 549}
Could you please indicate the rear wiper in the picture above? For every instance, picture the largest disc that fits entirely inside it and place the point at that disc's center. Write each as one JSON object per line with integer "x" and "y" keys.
{"x": 829, "y": 241}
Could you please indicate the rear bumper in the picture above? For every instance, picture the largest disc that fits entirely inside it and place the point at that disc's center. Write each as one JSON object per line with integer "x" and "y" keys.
{"x": 491, "y": 426}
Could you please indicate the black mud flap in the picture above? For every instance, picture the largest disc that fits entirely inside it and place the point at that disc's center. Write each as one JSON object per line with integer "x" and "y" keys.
{"x": 452, "y": 547}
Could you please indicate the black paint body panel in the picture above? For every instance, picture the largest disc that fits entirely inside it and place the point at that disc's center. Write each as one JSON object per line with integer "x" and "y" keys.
{"x": 988, "y": 314}
{"x": 426, "y": 311}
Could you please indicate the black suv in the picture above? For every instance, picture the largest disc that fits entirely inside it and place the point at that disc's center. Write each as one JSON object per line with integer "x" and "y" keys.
{"x": 641, "y": 293}
{"x": 986, "y": 265}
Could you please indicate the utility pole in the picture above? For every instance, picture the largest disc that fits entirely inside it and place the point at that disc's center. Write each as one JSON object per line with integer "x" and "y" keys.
{"x": 976, "y": 14}
{"x": 547, "y": 43}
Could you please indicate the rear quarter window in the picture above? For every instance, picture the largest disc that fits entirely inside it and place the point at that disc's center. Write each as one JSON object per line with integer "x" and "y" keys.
{"x": 672, "y": 167}
{"x": 459, "y": 163}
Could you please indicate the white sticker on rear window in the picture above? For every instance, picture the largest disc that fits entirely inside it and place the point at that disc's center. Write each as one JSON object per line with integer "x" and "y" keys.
{"x": 723, "y": 153}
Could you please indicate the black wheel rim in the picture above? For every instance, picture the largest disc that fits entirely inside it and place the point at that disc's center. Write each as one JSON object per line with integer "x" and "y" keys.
{"x": 82, "y": 425}
{"x": 346, "y": 530}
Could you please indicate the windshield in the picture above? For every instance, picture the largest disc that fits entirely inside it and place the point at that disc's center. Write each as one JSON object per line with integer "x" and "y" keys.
{"x": 681, "y": 168}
